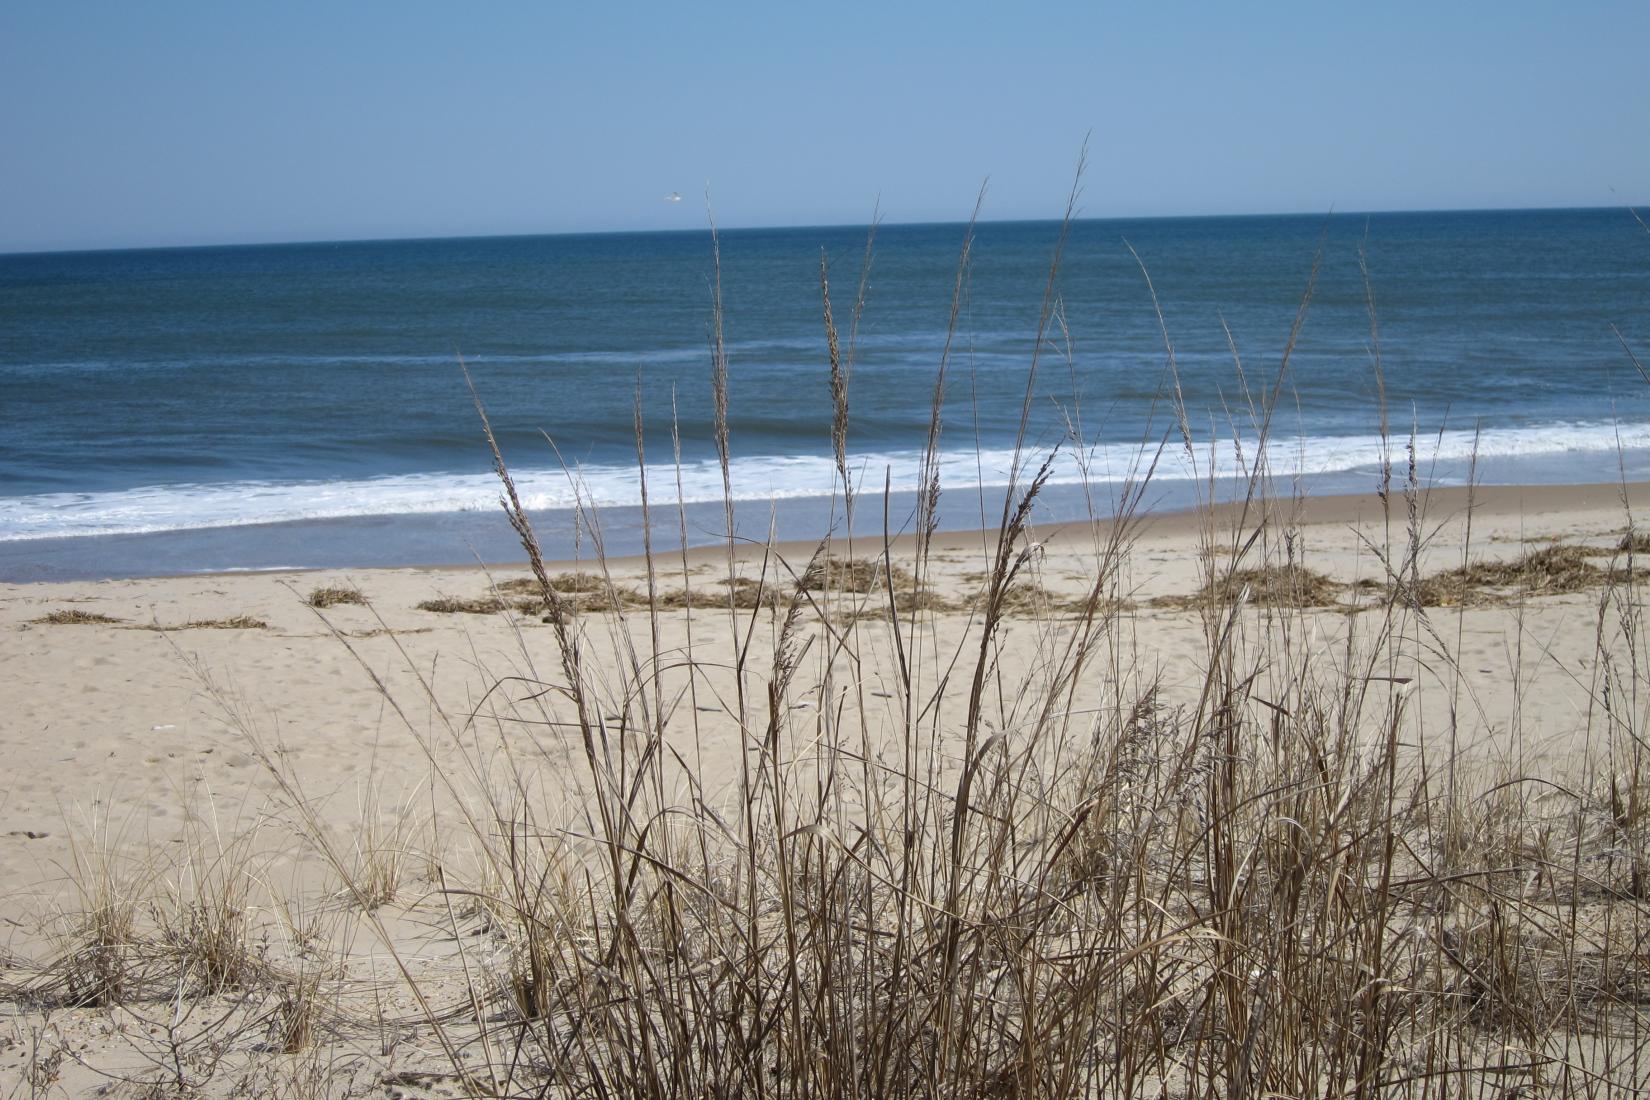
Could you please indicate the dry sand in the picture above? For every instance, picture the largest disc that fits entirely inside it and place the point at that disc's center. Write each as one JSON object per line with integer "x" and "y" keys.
{"x": 116, "y": 731}
{"x": 129, "y": 720}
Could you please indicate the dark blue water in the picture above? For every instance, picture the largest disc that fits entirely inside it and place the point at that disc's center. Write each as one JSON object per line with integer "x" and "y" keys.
{"x": 149, "y": 393}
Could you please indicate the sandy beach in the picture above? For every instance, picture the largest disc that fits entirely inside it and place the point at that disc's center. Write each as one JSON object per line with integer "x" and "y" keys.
{"x": 141, "y": 716}
{"x": 131, "y": 719}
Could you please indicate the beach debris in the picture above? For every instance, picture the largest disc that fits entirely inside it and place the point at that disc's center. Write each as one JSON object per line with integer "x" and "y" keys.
{"x": 452, "y": 605}
{"x": 73, "y": 617}
{"x": 1550, "y": 570}
{"x": 1290, "y": 585}
{"x": 859, "y": 575}
{"x": 579, "y": 592}
{"x": 1027, "y": 596}
{"x": 332, "y": 596}
{"x": 233, "y": 622}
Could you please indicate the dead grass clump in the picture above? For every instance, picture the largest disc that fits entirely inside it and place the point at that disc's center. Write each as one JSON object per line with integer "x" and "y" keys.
{"x": 202, "y": 919}
{"x": 681, "y": 598}
{"x": 581, "y": 596}
{"x": 848, "y": 576}
{"x": 578, "y": 582}
{"x": 333, "y": 596}
{"x": 96, "y": 966}
{"x": 383, "y": 851}
{"x": 1267, "y": 586}
{"x": 97, "y": 971}
{"x": 908, "y": 600}
{"x": 1104, "y": 608}
{"x": 581, "y": 593}
{"x": 745, "y": 594}
{"x": 234, "y": 622}
{"x": 1558, "y": 568}
{"x": 1020, "y": 598}
{"x": 96, "y": 958}
{"x": 859, "y": 575}
{"x": 73, "y": 617}
{"x": 452, "y": 605}
{"x": 1551, "y": 570}
{"x": 209, "y": 939}
{"x": 1448, "y": 589}
{"x": 563, "y": 583}
{"x": 297, "y": 1012}
{"x": 873, "y": 578}
{"x": 750, "y": 593}
{"x": 617, "y": 599}
{"x": 1030, "y": 598}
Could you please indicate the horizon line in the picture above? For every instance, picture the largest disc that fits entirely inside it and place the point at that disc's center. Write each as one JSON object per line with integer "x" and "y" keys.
{"x": 301, "y": 242}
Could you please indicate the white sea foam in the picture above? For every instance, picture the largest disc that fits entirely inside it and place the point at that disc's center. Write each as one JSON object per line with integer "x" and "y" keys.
{"x": 1588, "y": 450}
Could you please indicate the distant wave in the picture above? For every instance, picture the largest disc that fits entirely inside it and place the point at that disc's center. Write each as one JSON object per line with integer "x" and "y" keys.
{"x": 1589, "y": 449}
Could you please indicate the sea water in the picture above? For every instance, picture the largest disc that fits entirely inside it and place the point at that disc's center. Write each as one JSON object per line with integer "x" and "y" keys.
{"x": 308, "y": 405}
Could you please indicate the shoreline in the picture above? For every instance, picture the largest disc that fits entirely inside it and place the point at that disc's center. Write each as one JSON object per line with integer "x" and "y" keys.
{"x": 1490, "y": 502}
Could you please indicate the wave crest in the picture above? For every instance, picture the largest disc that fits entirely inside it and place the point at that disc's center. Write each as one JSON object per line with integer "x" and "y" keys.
{"x": 763, "y": 477}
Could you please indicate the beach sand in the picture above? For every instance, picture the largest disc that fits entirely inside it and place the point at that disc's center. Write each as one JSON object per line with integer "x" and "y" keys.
{"x": 131, "y": 719}
{"x": 126, "y": 736}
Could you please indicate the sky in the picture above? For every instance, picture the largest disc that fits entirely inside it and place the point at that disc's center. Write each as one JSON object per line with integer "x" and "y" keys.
{"x": 184, "y": 123}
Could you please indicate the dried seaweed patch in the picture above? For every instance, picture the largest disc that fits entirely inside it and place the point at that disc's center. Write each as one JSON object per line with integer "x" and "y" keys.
{"x": 332, "y": 596}
{"x": 1268, "y": 586}
{"x": 73, "y": 617}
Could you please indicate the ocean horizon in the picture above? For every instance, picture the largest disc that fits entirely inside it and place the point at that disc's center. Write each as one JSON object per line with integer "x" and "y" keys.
{"x": 303, "y": 405}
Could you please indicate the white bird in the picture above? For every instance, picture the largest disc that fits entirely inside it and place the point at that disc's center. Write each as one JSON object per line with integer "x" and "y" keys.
{"x": 674, "y": 196}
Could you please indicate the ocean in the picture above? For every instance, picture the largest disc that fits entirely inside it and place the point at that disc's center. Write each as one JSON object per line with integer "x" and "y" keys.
{"x": 286, "y": 406}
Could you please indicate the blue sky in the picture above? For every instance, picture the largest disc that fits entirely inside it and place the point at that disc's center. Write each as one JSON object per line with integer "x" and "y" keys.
{"x": 132, "y": 124}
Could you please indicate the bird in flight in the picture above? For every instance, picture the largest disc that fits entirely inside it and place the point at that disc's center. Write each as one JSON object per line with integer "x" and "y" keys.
{"x": 674, "y": 196}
